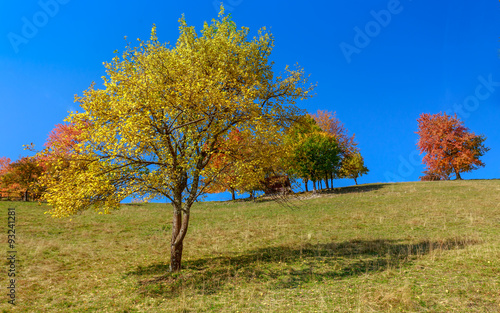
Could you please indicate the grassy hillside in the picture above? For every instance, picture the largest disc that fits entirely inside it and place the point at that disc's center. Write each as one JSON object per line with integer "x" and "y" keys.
{"x": 409, "y": 247}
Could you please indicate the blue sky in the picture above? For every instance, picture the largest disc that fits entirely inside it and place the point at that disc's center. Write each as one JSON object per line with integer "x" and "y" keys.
{"x": 378, "y": 64}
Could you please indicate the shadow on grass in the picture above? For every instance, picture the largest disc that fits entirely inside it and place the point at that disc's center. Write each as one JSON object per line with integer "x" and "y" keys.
{"x": 299, "y": 195}
{"x": 287, "y": 267}
{"x": 353, "y": 189}
{"x": 131, "y": 204}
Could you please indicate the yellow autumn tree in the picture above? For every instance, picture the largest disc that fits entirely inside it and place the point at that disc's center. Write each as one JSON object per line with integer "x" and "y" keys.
{"x": 162, "y": 114}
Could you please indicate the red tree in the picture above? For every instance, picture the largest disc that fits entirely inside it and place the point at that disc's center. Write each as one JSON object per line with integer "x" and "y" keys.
{"x": 330, "y": 124}
{"x": 450, "y": 147}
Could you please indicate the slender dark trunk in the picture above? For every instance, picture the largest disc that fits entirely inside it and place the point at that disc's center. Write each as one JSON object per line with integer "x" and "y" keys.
{"x": 314, "y": 186}
{"x": 306, "y": 181}
{"x": 232, "y": 194}
{"x": 326, "y": 182}
{"x": 179, "y": 229}
{"x": 457, "y": 173}
{"x": 355, "y": 180}
{"x": 25, "y": 196}
{"x": 331, "y": 179}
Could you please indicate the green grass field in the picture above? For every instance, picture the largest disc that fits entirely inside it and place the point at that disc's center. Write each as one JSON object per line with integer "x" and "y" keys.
{"x": 408, "y": 247}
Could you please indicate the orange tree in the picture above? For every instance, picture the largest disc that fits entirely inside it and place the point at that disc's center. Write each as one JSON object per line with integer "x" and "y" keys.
{"x": 163, "y": 112}
{"x": 224, "y": 162}
{"x": 20, "y": 176}
{"x": 58, "y": 153}
{"x": 6, "y": 189}
{"x": 61, "y": 141}
{"x": 450, "y": 147}
{"x": 243, "y": 162}
{"x": 28, "y": 174}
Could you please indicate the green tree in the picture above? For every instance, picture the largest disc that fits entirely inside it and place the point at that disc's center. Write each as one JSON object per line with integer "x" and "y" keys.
{"x": 315, "y": 156}
{"x": 351, "y": 164}
{"x": 302, "y": 127}
{"x": 163, "y": 112}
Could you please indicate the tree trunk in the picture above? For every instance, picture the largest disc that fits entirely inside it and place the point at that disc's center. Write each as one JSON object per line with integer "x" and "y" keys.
{"x": 306, "y": 181}
{"x": 331, "y": 179}
{"x": 457, "y": 173}
{"x": 232, "y": 194}
{"x": 314, "y": 186}
{"x": 355, "y": 181}
{"x": 25, "y": 196}
{"x": 179, "y": 229}
{"x": 176, "y": 257}
{"x": 326, "y": 182}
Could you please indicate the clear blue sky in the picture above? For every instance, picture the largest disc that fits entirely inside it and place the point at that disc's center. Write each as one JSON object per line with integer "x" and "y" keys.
{"x": 378, "y": 64}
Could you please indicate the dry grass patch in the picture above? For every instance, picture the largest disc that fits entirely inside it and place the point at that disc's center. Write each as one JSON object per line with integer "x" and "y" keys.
{"x": 410, "y": 247}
